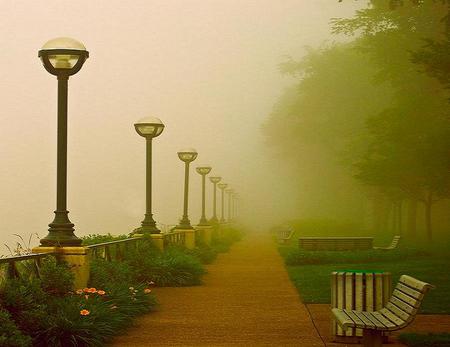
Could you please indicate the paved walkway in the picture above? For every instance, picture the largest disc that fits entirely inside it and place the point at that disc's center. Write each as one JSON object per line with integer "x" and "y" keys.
{"x": 247, "y": 300}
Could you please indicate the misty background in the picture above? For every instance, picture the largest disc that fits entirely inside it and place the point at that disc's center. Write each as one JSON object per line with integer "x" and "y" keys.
{"x": 208, "y": 69}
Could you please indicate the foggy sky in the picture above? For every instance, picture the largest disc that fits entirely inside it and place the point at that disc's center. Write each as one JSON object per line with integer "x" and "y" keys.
{"x": 207, "y": 69}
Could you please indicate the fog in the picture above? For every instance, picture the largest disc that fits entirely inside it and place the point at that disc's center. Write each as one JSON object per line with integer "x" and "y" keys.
{"x": 207, "y": 69}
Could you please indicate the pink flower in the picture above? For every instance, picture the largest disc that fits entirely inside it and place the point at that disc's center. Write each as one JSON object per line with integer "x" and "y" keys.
{"x": 147, "y": 290}
{"x": 84, "y": 312}
{"x": 79, "y": 291}
{"x": 101, "y": 292}
{"x": 92, "y": 290}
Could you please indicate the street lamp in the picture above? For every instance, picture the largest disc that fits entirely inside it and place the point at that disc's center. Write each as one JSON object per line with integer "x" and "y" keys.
{"x": 214, "y": 180}
{"x": 149, "y": 128}
{"x": 187, "y": 155}
{"x": 203, "y": 170}
{"x": 230, "y": 192}
{"x": 222, "y": 187}
{"x": 62, "y": 57}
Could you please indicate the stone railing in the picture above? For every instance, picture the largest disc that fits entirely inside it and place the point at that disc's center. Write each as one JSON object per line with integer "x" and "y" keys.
{"x": 15, "y": 266}
{"x": 78, "y": 258}
{"x": 113, "y": 250}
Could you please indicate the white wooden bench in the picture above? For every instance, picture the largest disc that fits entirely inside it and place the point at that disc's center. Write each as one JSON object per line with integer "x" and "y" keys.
{"x": 284, "y": 234}
{"x": 334, "y": 243}
{"x": 393, "y": 244}
{"x": 399, "y": 312}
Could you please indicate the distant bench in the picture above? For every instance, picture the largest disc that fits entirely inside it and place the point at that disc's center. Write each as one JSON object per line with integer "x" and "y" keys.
{"x": 284, "y": 235}
{"x": 334, "y": 243}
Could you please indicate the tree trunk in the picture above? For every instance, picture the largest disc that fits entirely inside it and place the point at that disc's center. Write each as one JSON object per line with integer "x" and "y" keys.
{"x": 428, "y": 204}
{"x": 411, "y": 226}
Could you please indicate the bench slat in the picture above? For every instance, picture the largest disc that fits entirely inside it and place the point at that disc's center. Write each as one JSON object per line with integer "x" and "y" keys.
{"x": 358, "y": 322}
{"x": 406, "y": 298}
{"x": 378, "y": 324}
{"x": 403, "y": 305}
{"x": 342, "y": 318}
{"x": 387, "y": 323}
{"x": 367, "y": 322}
{"x": 392, "y": 317}
{"x": 411, "y": 292}
{"x": 398, "y": 312}
{"x": 414, "y": 283}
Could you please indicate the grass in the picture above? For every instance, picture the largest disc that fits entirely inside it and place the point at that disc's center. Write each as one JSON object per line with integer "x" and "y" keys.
{"x": 312, "y": 276}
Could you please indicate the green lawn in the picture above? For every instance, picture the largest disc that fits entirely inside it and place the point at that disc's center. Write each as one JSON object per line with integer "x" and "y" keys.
{"x": 313, "y": 280}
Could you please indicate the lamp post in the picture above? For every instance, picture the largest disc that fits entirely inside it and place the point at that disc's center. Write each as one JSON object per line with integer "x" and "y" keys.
{"x": 187, "y": 156}
{"x": 222, "y": 187}
{"x": 149, "y": 128}
{"x": 62, "y": 57}
{"x": 214, "y": 180}
{"x": 230, "y": 192}
{"x": 203, "y": 170}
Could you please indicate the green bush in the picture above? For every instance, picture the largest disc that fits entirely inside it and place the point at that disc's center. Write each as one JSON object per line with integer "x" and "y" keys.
{"x": 10, "y": 335}
{"x": 103, "y": 273}
{"x": 223, "y": 240}
{"x": 91, "y": 316}
{"x": 93, "y": 239}
{"x": 56, "y": 277}
{"x": 295, "y": 256}
{"x": 205, "y": 254}
{"x": 171, "y": 268}
{"x": 426, "y": 340}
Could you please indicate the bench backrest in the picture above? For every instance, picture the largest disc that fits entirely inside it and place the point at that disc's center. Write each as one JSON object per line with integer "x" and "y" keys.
{"x": 394, "y": 242}
{"x": 405, "y": 300}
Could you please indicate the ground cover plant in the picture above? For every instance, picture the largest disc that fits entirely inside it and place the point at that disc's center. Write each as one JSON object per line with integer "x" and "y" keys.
{"x": 310, "y": 271}
{"x": 46, "y": 311}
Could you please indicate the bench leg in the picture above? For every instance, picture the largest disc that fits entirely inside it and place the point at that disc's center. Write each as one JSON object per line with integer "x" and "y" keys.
{"x": 372, "y": 338}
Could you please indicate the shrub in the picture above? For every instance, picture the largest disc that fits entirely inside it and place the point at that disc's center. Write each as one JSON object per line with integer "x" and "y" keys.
{"x": 56, "y": 277}
{"x": 426, "y": 340}
{"x": 19, "y": 295}
{"x": 90, "y": 317}
{"x": 104, "y": 273}
{"x": 93, "y": 239}
{"x": 204, "y": 253}
{"x": 171, "y": 268}
{"x": 295, "y": 256}
{"x": 10, "y": 335}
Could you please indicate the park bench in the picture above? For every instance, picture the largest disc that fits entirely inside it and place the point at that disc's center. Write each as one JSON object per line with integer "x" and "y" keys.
{"x": 393, "y": 244}
{"x": 335, "y": 243}
{"x": 284, "y": 234}
{"x": 399, "y": 312}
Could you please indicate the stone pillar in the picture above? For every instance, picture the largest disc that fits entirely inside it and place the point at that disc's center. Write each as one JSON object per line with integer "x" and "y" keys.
{"x": 189, "y": 238}
{"x": 76, "y": 257}
{"x": 158, "y": 240}
{"x": 206, "y": 233}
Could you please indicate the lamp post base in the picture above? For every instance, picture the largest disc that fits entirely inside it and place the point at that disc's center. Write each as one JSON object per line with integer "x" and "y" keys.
{"x": 203, "y": 222}
{"x": 60, "y": 234}
{"x": 185, "y": 223}
{"x": 148, "y": 226}
{"x": 146, "y": 229}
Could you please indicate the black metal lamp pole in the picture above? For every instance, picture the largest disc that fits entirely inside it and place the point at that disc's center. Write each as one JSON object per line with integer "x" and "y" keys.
{"x": 149, "y": 128}
{"x": 203, "y": 171}
{"x": 186, "y": 156}
{"x": 230, "y": 193}
{"x": 215, "y": 180}
{"x": 222, "y": 187}
{"x": 62, "y": 57}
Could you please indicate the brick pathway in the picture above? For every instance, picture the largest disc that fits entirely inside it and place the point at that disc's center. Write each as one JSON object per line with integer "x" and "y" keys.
{"x": 247, "y": 300}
